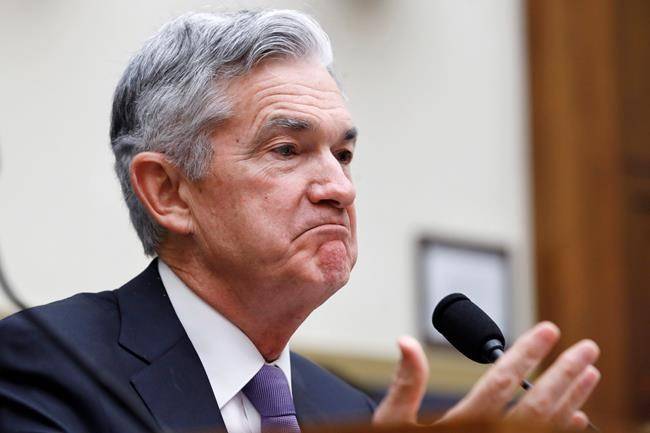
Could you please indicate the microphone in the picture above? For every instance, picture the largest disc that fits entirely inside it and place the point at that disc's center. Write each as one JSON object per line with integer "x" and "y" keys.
{"x": 472, "y": 332}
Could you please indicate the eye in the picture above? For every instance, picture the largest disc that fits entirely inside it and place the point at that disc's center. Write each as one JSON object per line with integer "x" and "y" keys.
{"x": 285, "y": 150}
{"x": 344, "y": 156}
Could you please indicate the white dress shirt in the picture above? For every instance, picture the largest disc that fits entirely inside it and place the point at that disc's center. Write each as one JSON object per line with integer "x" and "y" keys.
{"x": 229, "y": 358}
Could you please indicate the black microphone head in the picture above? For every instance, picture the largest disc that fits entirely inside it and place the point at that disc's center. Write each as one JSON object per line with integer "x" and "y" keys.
{"x": 466, "y": 326}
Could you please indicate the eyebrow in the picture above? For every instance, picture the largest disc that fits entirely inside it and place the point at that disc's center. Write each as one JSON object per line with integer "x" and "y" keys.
{"x": 296, "y": 125}
{"x": 289, "y": 123}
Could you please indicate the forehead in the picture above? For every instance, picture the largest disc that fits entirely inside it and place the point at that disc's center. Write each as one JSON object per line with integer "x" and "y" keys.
{"x": 300, "y": 89}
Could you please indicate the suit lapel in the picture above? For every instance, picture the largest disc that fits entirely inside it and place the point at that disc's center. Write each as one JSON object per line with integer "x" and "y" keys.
{"x": 173, "y": 385}
{"x": 308, "y": 409}
{"x": 178, "y": 398}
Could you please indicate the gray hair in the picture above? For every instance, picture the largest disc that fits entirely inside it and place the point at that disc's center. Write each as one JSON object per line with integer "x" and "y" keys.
{"x": 172, "y": 94}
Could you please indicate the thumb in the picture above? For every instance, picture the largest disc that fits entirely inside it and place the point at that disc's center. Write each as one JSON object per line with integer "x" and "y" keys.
{"x": 402, "y": 402}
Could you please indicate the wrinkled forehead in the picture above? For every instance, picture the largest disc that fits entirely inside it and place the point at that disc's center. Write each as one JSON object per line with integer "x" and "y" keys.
{"x": 303, "y": 86}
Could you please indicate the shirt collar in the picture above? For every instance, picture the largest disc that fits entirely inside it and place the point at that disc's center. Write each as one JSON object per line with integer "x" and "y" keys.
{"x": 229, "y": 358}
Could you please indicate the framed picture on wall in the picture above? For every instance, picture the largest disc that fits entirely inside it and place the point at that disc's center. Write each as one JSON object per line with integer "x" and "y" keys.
{"x": 481, "y": 272}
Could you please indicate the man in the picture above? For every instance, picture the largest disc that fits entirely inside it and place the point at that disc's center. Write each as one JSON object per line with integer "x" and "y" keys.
{"x": 233, "y": 147}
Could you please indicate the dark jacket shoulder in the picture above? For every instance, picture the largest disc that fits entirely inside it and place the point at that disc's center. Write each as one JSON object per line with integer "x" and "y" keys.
{"x": 40, "y": 387}
{"x": 81, "y": 316}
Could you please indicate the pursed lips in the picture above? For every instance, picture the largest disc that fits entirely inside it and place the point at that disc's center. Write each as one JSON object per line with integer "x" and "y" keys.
{"x": 324, "y": 224}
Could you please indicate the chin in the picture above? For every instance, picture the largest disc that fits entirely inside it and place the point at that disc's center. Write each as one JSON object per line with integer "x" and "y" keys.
{"x": 335, "y": 264}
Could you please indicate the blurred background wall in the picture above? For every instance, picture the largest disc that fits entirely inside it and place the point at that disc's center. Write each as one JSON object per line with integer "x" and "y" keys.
{"x": 415, "y": 73}
{"x": 439, "y": 90}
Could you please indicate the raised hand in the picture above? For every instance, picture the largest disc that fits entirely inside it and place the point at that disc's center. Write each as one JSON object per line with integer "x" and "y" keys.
{"x": 556, "y": 397}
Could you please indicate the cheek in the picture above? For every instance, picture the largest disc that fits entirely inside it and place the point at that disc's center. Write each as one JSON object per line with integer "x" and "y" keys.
{"x": 264, "y": 212}
{"x": 274, "y": 210}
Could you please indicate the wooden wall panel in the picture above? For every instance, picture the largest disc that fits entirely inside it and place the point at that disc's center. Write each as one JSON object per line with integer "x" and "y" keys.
{"x": 590, "y": 99}
{"x": 633, "y": 40}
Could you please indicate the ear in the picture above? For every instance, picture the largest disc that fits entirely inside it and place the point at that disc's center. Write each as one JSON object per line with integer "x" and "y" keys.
{"x": 158, "y": 185}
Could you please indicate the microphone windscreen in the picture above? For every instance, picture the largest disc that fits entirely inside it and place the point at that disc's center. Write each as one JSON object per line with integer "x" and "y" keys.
{"x": 466, "y": 326}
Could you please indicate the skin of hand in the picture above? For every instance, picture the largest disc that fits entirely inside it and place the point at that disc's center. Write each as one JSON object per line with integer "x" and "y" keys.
{"x": 556, "y": 397}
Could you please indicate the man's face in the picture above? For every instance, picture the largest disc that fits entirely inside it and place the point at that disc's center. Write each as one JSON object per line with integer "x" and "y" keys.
{"x": 276, "y": 211}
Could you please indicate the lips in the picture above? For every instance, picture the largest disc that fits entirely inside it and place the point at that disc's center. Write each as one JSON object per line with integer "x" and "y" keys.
{"x": 324, "y": 224}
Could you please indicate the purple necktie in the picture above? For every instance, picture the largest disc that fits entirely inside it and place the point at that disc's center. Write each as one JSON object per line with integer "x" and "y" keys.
{"x": 268, "y": 391}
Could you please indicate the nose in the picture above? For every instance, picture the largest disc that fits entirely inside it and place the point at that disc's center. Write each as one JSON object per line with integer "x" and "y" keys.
{"x": 331, "y": 184}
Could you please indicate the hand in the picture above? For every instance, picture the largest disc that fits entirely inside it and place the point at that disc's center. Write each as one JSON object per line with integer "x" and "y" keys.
{"x": 556, "y": 397}
{"x": 402, "y": 402}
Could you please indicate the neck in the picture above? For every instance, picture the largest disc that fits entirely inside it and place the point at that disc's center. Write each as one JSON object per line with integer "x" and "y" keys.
{"x": 249, "y": 305}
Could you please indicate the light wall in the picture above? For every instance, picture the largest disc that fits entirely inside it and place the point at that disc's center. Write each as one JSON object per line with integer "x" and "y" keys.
{"x": 438, "y": 93}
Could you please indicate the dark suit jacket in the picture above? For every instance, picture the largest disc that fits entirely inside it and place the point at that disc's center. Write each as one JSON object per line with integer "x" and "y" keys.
{"x": 133, "y": 334}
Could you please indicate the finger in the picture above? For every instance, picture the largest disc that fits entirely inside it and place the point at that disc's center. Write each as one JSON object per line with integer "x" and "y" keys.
{"x": 580, "y": 390}
{"x": 541, "y": 402}
{"x": 497, "y": 387}
{"x": 402, "y": 402}
{"x": 579, "y": 421}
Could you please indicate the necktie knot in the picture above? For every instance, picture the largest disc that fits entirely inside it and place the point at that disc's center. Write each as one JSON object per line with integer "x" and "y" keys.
{"x": 268, "y": 391}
